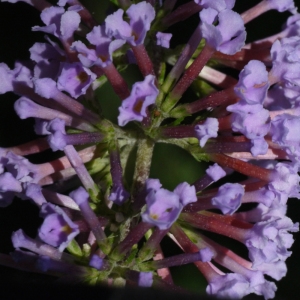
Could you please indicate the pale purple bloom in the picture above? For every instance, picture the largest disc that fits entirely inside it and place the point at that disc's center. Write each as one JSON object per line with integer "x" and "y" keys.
{"x": 226, "y": 37}
{"x": 163, "y": 39}
{"x": 285, "y": 180}
{"x": 231, "y": 285}
{"x": 253, "y": 83}
{"x": 140, "y": 15}
{"x": 215, "y": 172}
{"x": 87, "y": 56}
{"x": 285, "y": 132}
{"x": 57, "y": 229}
{"x": 57, "y": 138}
{"x": 163, "y": 208}
{"x": 282, "y": 5}
{"x": 21, "y": 168}
{"x": 81, "y": 197}
{"x": 8, "y": 187}
{"x": 34, "y": 192}
{"x": 292, "y": 26}
{"x": 276, "y": 270}
{"x": 268, "y": 241}
{"x": 186, "y": 193}
{"x": 206, "y": 254}
{"x": 253, "y": 121}
{"x": 75, "y": 79}
{"x": 276, "y": 98}
{"x": 48, "y": 58}
{"x": 266, "y": 289}
{"x": 286, "y": 60}
{"x": 64, "y": 2}
{"x": 118, "y": 194}
{"x": 96, "y": 262}
{"x": 26, "y": 108}
{"x": 6, "y": 78}
{"x": 143, "y": 94}
{"x": 228, "y": 198}
{"x": 153, "y": 184}
{"x": 218, "y": 5}
{"x": 46, "y": 87}
{"x": 259, "y": 146}
{"x": 145, "y": 279}
{"x": 40, "y": 127}
{"x": 59, "y": 22}
{"x": 104, "y": 48}
{"x": 209, "y": 129}
{"x": 105, "y": 52}
{"x": 19, "y": 77}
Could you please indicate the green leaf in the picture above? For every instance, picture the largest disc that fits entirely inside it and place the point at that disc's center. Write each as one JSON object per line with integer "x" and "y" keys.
{"x": 74, "y": 248}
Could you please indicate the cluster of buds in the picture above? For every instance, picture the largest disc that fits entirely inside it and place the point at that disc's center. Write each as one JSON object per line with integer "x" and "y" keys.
{"x": 104, "y": 215}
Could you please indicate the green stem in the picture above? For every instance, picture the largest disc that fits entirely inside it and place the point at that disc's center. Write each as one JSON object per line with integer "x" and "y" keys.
{"x": 142, "y": 165}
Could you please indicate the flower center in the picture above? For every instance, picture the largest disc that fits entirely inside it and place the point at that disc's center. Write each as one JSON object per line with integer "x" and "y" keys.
{"x": 138, "y": 106}
{"x": 83, "y": 77}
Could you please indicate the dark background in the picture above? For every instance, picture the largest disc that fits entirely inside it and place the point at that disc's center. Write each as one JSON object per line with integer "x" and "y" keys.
{"x": 16, "y": 38}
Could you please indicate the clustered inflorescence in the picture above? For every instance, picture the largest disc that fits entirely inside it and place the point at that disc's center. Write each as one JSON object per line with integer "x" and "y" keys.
{"x": 104, "y": 227}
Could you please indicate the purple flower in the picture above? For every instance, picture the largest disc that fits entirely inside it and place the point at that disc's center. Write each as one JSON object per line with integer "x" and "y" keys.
{"x": 286, "y": 60}
{"x": 285, "y": 180}
{"x": 231, "y": 285}
{"x": 8, "y": 187}
{"x": 96, "y": 262}
{"x": 226, "y": 37}
{"x": 218, "y": 5}
{"x": 75, "y": 79}
{"x": 60, "y": 23}
{"x": 163, "y": 206}
{"x": 215, "y": 172}
{"x": 48, "y": 58}
{"x": 34, "y": 192}
{"x": 228, "y": 198}
{"x": 209, "y": 129}
{"x": 153, "y": 184}
{"x": 282, "y": 5}
{"x": 253, "y": 83}
{"x": 276, "y": 270}
{"x": 186, "y": 193}
{"x": 268, "y": 241}
{"x": 118, "y": 194}
{"x": 292, "y": 26}
{"x": 163, "y": 39}
{"x": 206, "y": 254}
{"x": 252, "y": 120}
{"x": 21, "y": 168}
{"x": 6, "y": 78}
{"x": 57, "y": 229}
{"x": 102, "y": 54}
{"x": 284, "y": 132}
{"x": 145, "y": 279}
{"x": 18, "y": 78}
{"x": 142, "y": 95}
{"x": 57, "y": 138}
{"x": 140, "y": 15}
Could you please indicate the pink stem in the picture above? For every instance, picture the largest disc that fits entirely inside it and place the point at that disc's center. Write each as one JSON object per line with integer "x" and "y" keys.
{"x": 143, "y": 60}
{"x": 191, "y": 73}
{"x": 117, "y": 81}
{"x": 241, "y": 166}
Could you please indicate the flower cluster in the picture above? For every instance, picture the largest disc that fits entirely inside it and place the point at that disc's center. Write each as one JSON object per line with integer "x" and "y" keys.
{"x": 110, "y": 225}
